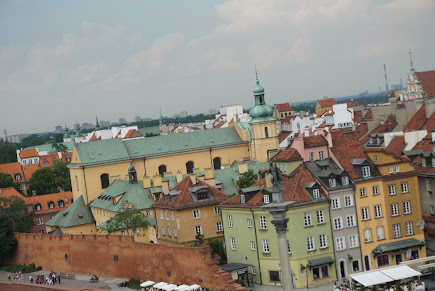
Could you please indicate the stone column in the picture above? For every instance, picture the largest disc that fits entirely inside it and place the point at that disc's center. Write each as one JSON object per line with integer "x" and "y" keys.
{"x": 286, "y": 276}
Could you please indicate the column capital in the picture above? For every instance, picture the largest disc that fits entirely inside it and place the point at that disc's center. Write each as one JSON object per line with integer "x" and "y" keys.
{"x": 280, "y": 225}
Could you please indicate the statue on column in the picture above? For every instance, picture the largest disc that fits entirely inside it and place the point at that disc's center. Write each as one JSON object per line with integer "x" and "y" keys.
{"x": 276, "y": 175}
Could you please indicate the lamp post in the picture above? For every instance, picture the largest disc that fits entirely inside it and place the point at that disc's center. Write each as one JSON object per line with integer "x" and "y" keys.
{"x": 278, "y": 208}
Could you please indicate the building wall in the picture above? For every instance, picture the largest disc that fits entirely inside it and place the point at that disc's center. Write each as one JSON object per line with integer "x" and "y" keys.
{"x": 427, "y": 201}
{"x": 80, "y": 229}
{"x": 121, "y": 257}
{"x": 260, "y": 144}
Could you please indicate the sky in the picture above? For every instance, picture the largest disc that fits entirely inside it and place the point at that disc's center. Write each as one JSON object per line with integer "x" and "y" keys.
{"x": 68, "y": 61}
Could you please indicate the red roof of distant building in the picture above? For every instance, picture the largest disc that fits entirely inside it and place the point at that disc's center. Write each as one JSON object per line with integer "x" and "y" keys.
{"x": 28, "y": 153}
{"x": 54, "y": 197}
{"x": 416, "y": 163}
{"x": 361, "y": 129}
{"x": 427, "y": 80}
{"x": 12, "y": 169}
{"x": 326, "y": 102}
{"x": 231, "y": 121}
{"x": 426, "y": 144}
{"x": 29, "y": 170}
{"x": 289, "y": 154}
{"x": 352, "y": 103}
{"x": 397, "y": 145}
{"x": 357, "y": 116}
{"x": 219, "y": 125}
{"x": 47, "y": 161}
{"x": 387, "y": 126}
{"x": 283, "y": 135}
{"x": 283, "y": 107}
{"x": 185, "y": 199}
{"x": 416, "y": 121}
{"x": 314, "y": 141}
{"x": 11, "y": 192}
{"x": 368, "y": 115}
{"x": 132, "y": 133}
{"x": 288, "y": 118}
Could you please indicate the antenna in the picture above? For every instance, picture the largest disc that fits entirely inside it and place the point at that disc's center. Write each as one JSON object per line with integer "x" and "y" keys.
{"x": 6, "y": 134}
{"x": 386, "y": 81}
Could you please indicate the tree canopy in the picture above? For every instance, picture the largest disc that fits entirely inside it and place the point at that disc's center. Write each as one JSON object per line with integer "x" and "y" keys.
{"x": 247, "y": 179}
{"x": 8, "y": 152}
{"x": 62, "y": 176}
{"x": 7, "y": 181}
{"x": 59, "y": 147}
{"x": 47, "y": 180}
{"x": 127, "y": 220}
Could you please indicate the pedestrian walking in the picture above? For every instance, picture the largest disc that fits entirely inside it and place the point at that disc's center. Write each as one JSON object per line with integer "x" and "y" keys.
{"x": 30, "y": 279}
{"x": 58, "y": 279}
{"x": 9, "y": 276}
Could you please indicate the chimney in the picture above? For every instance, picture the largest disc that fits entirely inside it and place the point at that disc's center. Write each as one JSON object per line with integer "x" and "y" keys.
{"x": 193, "y": 179}
{"x": 243, "y": 167}
{"x": 165, "y": 186}
{"x": 167, "y": 174}
{"x": 195, "y": 170}
{"x": 209, "y": 176}
{"x": 146, "y": 182}
{"x": 157, "y": 181}
{"x": 179, "y": 176}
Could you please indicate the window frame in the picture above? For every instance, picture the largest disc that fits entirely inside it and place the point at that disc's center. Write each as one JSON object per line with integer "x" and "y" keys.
{"x": 266, "y": 247}
{"x": 366, "y": 171}
{"x": 340, "y": 243}
{"x": 365, "y": 215}
{"x": 263, "y": 223}
{"x": 198, "y": 215}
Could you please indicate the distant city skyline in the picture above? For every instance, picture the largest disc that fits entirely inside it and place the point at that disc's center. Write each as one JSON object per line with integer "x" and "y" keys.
{"x": 62, "y": 62}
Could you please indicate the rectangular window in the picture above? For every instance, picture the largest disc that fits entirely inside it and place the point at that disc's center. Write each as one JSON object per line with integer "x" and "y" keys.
{"x": 367, "y": 235}
{"x": 323, "y": 242}
{"x": 253, "y": 271}
{"x": 175, "y": 232}
{"x": 196, "y": 213}
{"x": 242, "y": 198}
{"x": 365, "y": 213}
{"x": 40, "y": 220}
{"x": 397, "y": 169}
{"x": 217, "y": 210}
{"x": 249, "y": 222}
{"x": 332, "y": 183}
{"x": 345, "y": 180}
{"x": 383, "y": 260}
{"x": 263, "y": 224}
{"x": 338, "y": 223}
{"x": 390, "y": 170}
{"x": 167, "y": 215}
{"x": 409, "y": 228}
{"x": 362, "y": 192}
{"x": 312, "y": 157}
{"x": 404, "y": 186}
{"x": 266, "y": 246}
{"x": 219, "y": 226}
{"x": 122, "y": 232}
{"x": 310, "y": 243}
{"x": 394, "y": 209}
{"x": 161, "y": 214}
{"x": 348, "y": 201}
{"x": 340, "y": 243}
{"x": 353, "y": 241}
{"x": 375, "y": 190}
{"x": 266, "y": 199}
{"x": 230, "y": 220}
{"x": 378, "y": 211}
{"x": 375, "y": 157}
{"x": 274, "y": 276}
{"x": 148, "y": 212}
{"x": 366, "y": 171}
{"x": 307, "y": 219}
{"x": 169, "y": 230}
{"x": 335, "y": 203}
{"x": 406, "y": 207}
{"x": 173, "y": 215}
{"x": 321, "y": 156}
{"x": 233, "y": 243}
{"x": 163, "y": 230}
{"x": 198, "y": 229}
{"x": 355, "y": 266}
{"x": 320, "y": 217}
{"x": 316, "y": 193}
{"x": 396, "y": 230}
{"x": 252, "y": 245}
{"x": 350, "y": 220}
{"x": 380, "y": 232}
{"x": 392, "y": 189}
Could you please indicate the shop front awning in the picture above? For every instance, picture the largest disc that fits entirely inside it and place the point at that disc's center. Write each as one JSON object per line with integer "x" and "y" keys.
{"x": 400, "y": 272}
{"x": 320, "y": 261}
{"x": 234, "y": 267}
{"x": 384, "y": 275}
{"x": 397, "y": 245}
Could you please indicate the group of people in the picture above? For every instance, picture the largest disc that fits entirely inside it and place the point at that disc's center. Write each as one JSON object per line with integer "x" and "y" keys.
{"x": 47, "y": 279}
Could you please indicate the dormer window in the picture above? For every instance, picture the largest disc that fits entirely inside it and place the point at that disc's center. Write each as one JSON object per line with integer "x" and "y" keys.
{"x": 38, "y": 207}
{"x": 366, "y": 171}
{"x": 316, "y": 193}
{"x": 60, "y": 203}
{"x": 202, "y": 195}
{"x": 390, "y": 170}
{"x": 433, "y": 162}
{"x": 332, "y": 183}
{"x": 50, "y": 204}
{"x": 242, "y": 198}
{"x": 17, "y": 177}
{"x": 423, "y": 162}
{"x": 266, "y": 199}
{"x": 45, "y": 161}
{"x": 375, "y": 157}
{"x": 345, "y": 180}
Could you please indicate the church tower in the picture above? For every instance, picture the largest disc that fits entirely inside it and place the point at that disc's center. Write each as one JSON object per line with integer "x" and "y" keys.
{"x": 413, "y": 89}
{"x": 264, "y": 135}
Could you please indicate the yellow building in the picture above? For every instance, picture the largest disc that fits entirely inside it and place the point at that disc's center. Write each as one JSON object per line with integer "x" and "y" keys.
{"x": 189, "y": 212}
{"x": 324, "y": 104}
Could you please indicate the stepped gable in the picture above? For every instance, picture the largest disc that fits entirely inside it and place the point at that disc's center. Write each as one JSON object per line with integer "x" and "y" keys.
{"x": 387, "y": 126}
{"x": 427, "y": 80}
{"x": 346, "y": 147}
{"x": 289, "y": 154}
{"x": 417, "y": 121}
{"x": 184, "y": 198}
{"x": 397, "y": 145}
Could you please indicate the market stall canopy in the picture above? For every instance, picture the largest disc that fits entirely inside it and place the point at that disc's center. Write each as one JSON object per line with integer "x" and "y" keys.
{"x": 169, "y": 287}
{"x": 384, "y": 275}
{"x": 195, "y": 287}
{"x": 147, "y": 283}
{"x": 182, "y": 288}
{"x": 400, "y": 272}
{"x": 159, "y": 285}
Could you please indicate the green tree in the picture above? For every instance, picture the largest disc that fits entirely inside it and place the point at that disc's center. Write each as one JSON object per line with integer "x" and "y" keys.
{"x": 247, "y": 179}
{"x": 217, "y": 250}
{"x": 150, "y": 134}
{"x": 43, "y": 181}
{"x": 59, "y": 147}
{"x": 7, "y": 181}
{"x": 8, "y": 152}
{"x": 6, "y": 238}
{"x": 58, "y": 137}
{"x": 62, "y": 176}
{"x": 127, "y": 219}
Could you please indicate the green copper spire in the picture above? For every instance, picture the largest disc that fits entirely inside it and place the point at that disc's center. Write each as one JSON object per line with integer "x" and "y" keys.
{"x": 261, "y": 111}
{"x": 410, "y": 59}
{"x": 97, "y": 125}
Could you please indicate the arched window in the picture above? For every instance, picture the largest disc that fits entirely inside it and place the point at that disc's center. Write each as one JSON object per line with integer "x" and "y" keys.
{"x": 217, "y": 163}
{"x": 367, "y": 263}
{"x": 266, "y": 132}
{"x": 162, "y": 170}
{"x": 189, "y": 167}
{"x": 104, "y": 181}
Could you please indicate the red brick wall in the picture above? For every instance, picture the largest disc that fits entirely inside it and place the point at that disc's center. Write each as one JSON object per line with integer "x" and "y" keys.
{"x": 94, "y": 254}
{"x": 17, "y": 286}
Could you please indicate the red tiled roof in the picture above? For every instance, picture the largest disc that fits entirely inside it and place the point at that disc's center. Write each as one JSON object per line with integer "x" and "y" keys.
{"x": 93, "y": 137}
{"x": 427, "y": 80}
{"x": 288, "y": 118}
{"x": 28, "y": 153}
{"x": 387, "y": 126}
{"x": 361, "y": 129}
{"x": 10, "y": 192}
{"x": 352, "y": 103}
{"x": 347, "y": 146}
{"x": 369, "y": 115}
{"x": 293, "y": 189}
{"x": 219, "y": 125}
{"x": 314, "y": 141}
{"x": 29, "y": 170}
{"x": 429, "y": 125}
{"x": 283, "y": 107}
{"x": 46, "y": 161}
{"x": 425, "y": 144}
{"x": 54, "y": 197}
{"x": 416, "y": 163}
{"x": 185, "y": 200}
{"x": 12, "y": 169}
{"x": 397, "y": 145}
{"x": 283, "y": 135}
{"x": 320, "y": 112}
{"x": 326, "y": 102}
{"x": 416, "y": 121}
{"x": 357, "y": 116}
{"x": 289, "y": 154}
{"x": 231, "y": 121}
{"x": 132, "y": 133}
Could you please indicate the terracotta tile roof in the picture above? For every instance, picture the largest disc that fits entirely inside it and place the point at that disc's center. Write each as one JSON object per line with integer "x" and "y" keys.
{"x": 132, "y": 133}
{"x": 320, "y": 113}
{"x": 283, "y": 135}
{"x": 357, "y": 116}
{"x": 416, "y": 163}
{"x": 29, "y": 170}
{"x": 427, "y": 80}
{"x": 28, "y": 153}
{"x": 44, "y": 199}
{"x": 219, "y": 125}
{"x": 231, "y": 121}
{"x": 283, "y": 107}
{"x": 66, "y": 154}
{"x": 429, "y": 125}
{"x": 397, "y": 145}
{"x": 352, "y": 103}
{"x": 329, "y": 113}
{"x": 12, "y": 169}
{"x": 289, "y": 154}
{"x": 387, "y": 126}
{"x": 293, "y": 189}
{"x": 369, "y": 115}
{"x": 10, "y": 192}
{"x": 347, "y": 146}
{"x": 185, "y": 199}
{"x": 47, "y": 161}
{"x": 416, "y": 121}
{"x": 361, "y": 129}
{"x": 425, "y": 144}
{"x": 326, "y": 102}
{"x": 288, "y": 118}
{"x": 93, "y": 137}
{"x": 314, "y": 141}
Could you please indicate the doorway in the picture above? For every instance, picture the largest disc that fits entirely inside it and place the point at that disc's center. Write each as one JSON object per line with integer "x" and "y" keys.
{"x": 367, "y": 263}
{"x": 398, "y": 258}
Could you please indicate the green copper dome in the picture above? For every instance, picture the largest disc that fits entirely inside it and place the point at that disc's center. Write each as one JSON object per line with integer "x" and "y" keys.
{"x": 261, "y": 111}
{"x": 258, "y": 89}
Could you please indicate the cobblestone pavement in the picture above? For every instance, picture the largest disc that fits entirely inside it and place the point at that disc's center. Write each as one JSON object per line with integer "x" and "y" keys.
{"x": 80, "y": 281}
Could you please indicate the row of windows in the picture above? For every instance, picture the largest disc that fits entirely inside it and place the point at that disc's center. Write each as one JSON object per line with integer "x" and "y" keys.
{"x": 340, "y": 242}
{"x": 51, "y": 204}
{"x": 196, "y": 213}
{"x": 313, "y": 156}
{"x": 338, "y": 222}
{"x": 319, "y": 215}
{"x": 409, "y": 230}
{"x": 384, "y": 260}
{"x": 198, "y": 229}
{"x": 29, "y": 161}
{"x": 394, "y": 207}
{"x": 336, "y": 202}
{"x": 391, "y": 189}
